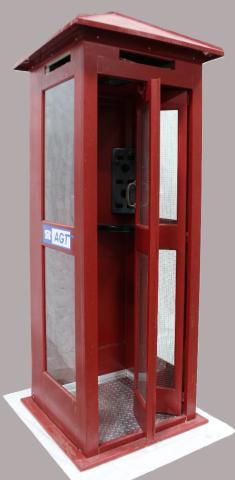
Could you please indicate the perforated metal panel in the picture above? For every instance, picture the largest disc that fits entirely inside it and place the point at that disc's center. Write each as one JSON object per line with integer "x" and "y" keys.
{"x": 116, "y": 409}
{"x": 116, "y": 406}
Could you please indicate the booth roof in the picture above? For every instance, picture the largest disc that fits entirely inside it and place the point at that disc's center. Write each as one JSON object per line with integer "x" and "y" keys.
{"x": 117, "y": 22}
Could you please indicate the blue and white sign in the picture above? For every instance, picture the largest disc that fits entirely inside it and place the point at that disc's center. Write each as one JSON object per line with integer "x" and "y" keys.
{"x": 60, "y": 237}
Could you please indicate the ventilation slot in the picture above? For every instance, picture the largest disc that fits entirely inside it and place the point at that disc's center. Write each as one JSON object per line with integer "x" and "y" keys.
{"x": 146, "y": 59}
{"x": 57, "y": 63}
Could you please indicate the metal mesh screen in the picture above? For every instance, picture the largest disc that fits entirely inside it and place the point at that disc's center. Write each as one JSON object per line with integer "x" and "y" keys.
{"x": 60, "y": 323}
{"x": 168, "y": 164}
{"x": 59, "y": 139}
{"x": 166, "y": 318}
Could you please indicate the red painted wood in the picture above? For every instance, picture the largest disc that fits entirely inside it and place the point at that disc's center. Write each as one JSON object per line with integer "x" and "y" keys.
{"x": 122, "y": 23}
{"x": 115, "y": 289}
{"x": 82, "y": 462}
{"x": 176, "y": 78}
{"x": 125, "y": 26}
{"x": 169, "y": 432}
{"x": 67, "y": 71}
{"x": 143, "y": 45}
{"x": 146, "y": 413}
{"x": 49, "y": 394}
{"x": 173, "y": 236}
{"x": 154, "y": 155}
{"x": 36, "y": 251}
{"x": 168, "y": 236}
{"x": 117, "y": 442}
{"x": 113, "y": 302}
{"x": 86, "y": 271}
{"x": 170, "y": 422}
{"x": 193, "y": 255}
{"x": 112, "y": 117}
{"x": 142, "y": 239}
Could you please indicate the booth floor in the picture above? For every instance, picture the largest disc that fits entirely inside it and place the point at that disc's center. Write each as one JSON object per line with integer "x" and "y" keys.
{"x": 116, "y": 405}
{"x": 129, "y": 466}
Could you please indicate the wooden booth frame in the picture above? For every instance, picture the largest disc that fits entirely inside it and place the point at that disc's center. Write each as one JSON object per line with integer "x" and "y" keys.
{"x": 73, "y": 421}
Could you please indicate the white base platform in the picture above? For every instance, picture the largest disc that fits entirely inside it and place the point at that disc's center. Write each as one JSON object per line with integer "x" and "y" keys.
{"x": 135, "y": 464}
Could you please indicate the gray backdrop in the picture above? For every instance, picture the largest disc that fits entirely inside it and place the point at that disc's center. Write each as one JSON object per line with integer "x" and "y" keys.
{"x": 25, "y": 25}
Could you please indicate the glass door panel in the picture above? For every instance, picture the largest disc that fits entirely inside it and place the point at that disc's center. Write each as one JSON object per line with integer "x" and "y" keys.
{"x": 60, "y": 321}
{"x": 142, "y": 294}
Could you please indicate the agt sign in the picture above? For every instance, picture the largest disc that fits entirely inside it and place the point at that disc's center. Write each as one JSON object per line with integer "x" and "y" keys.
{"x": 57, "y": 236}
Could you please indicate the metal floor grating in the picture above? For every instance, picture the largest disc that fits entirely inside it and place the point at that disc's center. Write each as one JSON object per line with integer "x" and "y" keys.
{"x": 116, "y": 409}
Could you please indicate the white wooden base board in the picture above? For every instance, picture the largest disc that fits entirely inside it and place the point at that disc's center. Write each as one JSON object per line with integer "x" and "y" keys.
{"x": 135, "y": 464}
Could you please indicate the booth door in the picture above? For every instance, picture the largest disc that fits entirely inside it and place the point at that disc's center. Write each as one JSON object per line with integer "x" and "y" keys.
{"x": 172, "y": 245}
{"x": 146, "y": 258}
{"x": 52, "y": 250}
{"x": 160, "y": 254}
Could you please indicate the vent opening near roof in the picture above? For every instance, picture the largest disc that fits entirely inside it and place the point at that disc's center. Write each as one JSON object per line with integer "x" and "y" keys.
{"x": 146, "y": 59}
{"x": 59, "y": 62}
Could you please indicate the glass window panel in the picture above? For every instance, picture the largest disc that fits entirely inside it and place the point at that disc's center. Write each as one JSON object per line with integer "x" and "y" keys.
{"x": 166, "y": 318}
{"x": 142, "y": 286}
{"x": 59, "y": 153}
{"x": 60, "y": 321}
{"x": 168, "y": 164}
{"x": 144, "y": 172}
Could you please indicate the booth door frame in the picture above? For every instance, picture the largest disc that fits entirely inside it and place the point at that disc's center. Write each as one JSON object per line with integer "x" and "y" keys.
{"x": 172, "y": 236}
{"x": 55, "y": 401}
{"x": 169, "y": 400}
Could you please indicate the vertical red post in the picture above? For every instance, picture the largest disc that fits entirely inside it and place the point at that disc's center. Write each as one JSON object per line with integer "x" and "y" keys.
{"x": 154, "y": 156}
{"x": 193, "y": 251}
{"x": 36, "y": 251}
{"x": 86, "y": 251}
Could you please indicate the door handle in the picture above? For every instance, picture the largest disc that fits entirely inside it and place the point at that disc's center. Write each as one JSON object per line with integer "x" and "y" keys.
{"x": 128, "y": 191}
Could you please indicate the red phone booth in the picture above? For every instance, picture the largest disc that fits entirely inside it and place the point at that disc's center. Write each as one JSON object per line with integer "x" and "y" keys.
{"x": 115, "y": 205}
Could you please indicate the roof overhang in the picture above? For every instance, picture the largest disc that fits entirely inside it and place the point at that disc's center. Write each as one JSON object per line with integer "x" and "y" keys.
{"x": 116, "y": 22}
